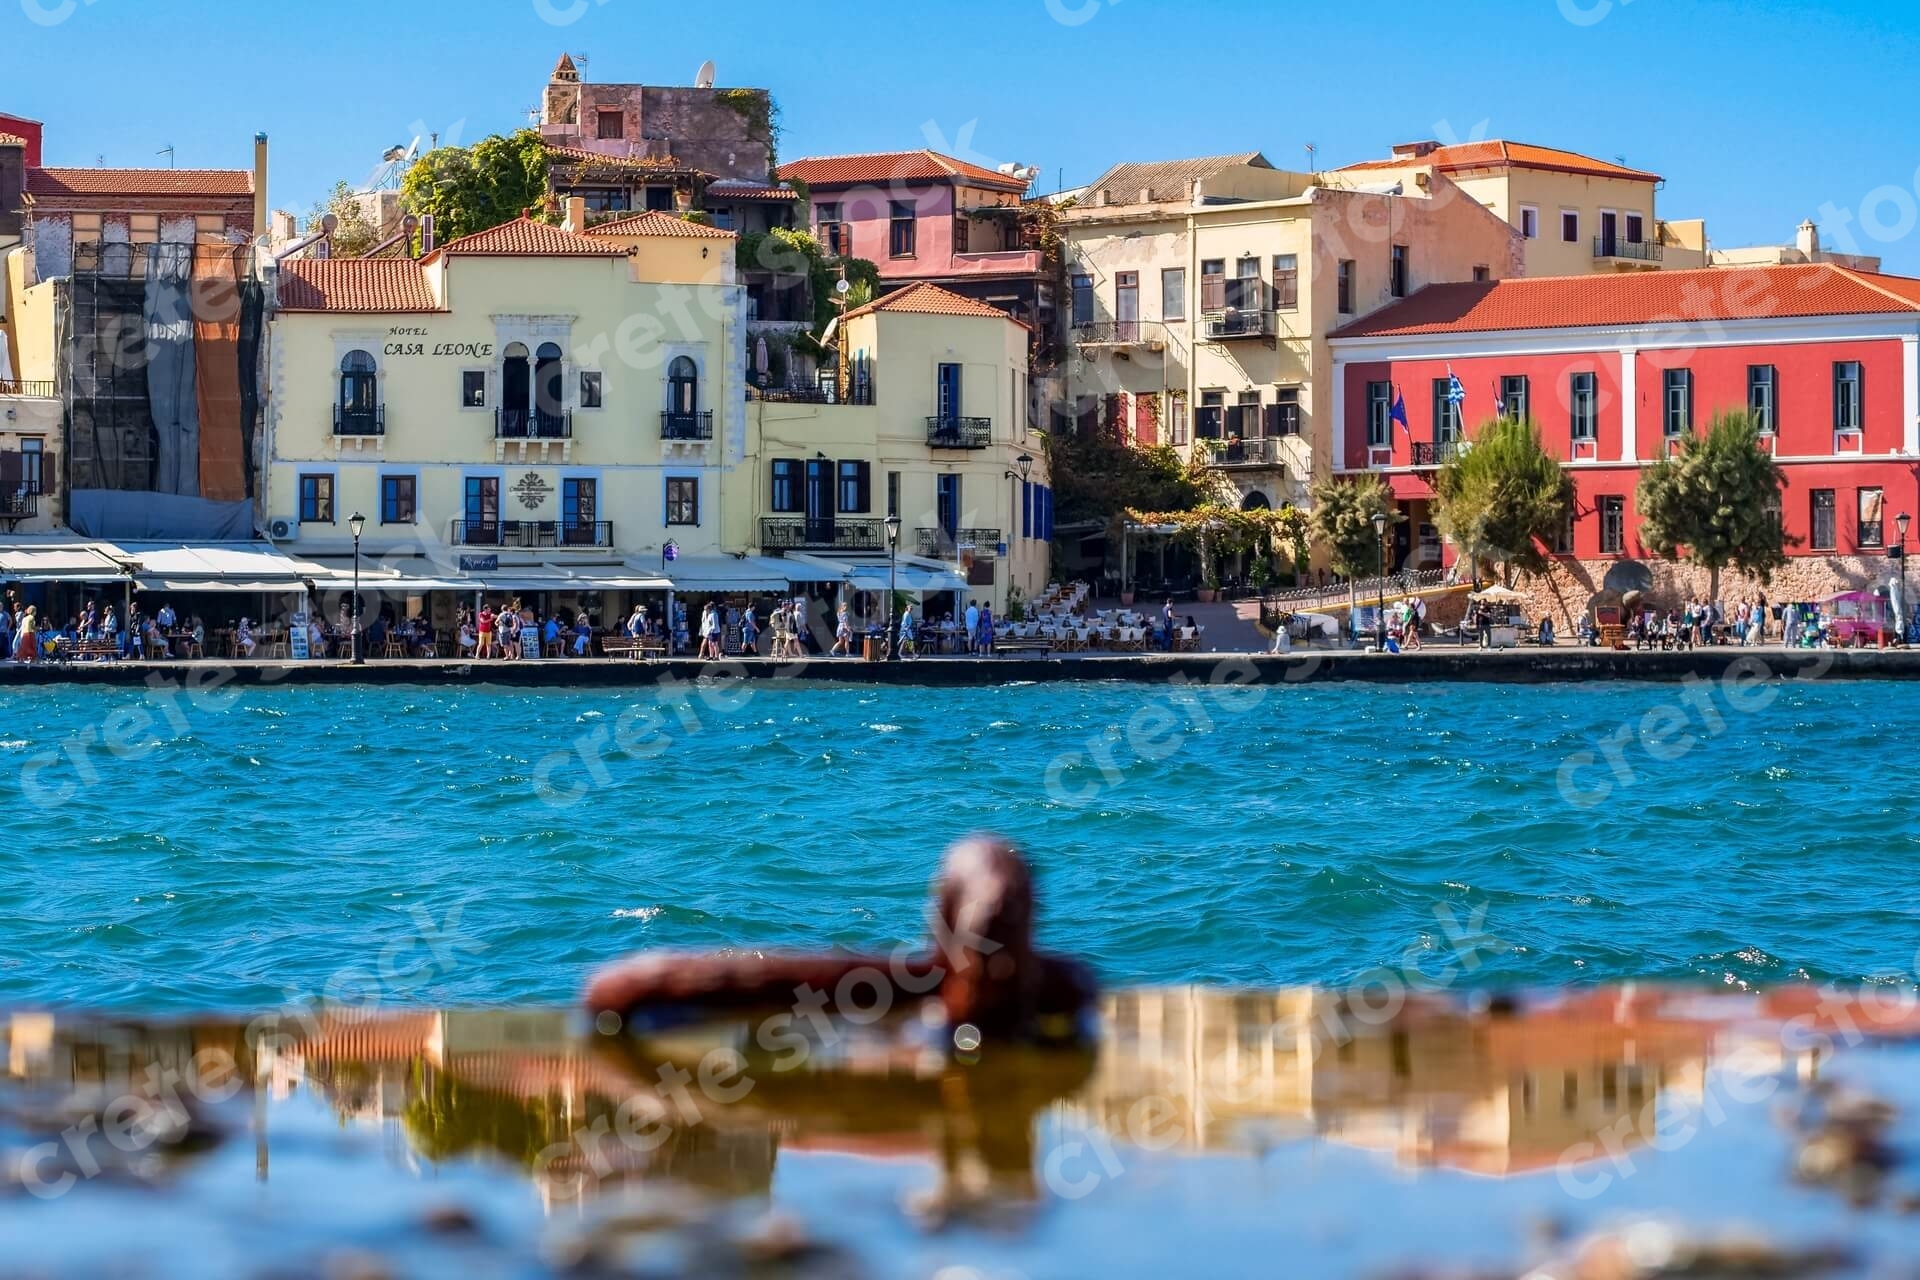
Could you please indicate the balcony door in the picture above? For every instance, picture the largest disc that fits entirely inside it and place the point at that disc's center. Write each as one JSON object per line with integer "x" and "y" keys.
{"x": 819, "y": 500}
{"x": 947, "y": 505}
{"x": 549, "y": 400}
{"x": 516, "y": 391}
{"x": 359, "y": 393}
{"x": 578, "y": 503}
{"x": 948, "y": 392}
{"x": 1126, "y": 306}
{"x": 483, "y": 511}
{"x": 1609, "y": 232}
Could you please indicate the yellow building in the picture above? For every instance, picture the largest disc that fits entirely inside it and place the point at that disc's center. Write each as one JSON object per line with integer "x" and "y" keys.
{"x": 1578, "y": 215}
{"x": 31, "y": 429}
{"x": 1202, "y": 292}
{"x": 927, "y": 422}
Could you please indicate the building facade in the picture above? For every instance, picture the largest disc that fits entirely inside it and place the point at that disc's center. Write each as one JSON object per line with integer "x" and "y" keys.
{"x": 1202, "y": 293}
{"x": 1617, "y": 372}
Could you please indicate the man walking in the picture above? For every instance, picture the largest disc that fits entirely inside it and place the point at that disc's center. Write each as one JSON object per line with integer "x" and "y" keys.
{"x": 973, "y": 623}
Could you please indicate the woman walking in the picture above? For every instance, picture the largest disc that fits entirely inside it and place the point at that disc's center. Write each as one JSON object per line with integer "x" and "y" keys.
{"x": 28, "y": 646}
{"x": 842, "y": 633}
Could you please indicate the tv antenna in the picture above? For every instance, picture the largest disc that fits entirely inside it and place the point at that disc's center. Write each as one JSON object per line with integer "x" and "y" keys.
{"x": 166, "y": 151}
{"x": 703, "y": 78}
{"x": 1312, "y": 150}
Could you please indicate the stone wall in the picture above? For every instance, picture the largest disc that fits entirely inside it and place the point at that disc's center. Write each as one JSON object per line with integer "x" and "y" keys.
{"x": 1568, "y": 585}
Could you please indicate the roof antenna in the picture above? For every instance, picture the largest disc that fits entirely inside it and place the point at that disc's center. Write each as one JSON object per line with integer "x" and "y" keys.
{"x": 1311, "y": 150}
{"x": 166, "y": 151}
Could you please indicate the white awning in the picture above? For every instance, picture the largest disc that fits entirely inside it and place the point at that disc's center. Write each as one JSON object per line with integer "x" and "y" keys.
{"x": 872, "y": 575}
{"x": 66, "y": 561}
{"x": 738, "y": 573}
{"x": 224, "y": 566}
{"x": 148, "y": 582}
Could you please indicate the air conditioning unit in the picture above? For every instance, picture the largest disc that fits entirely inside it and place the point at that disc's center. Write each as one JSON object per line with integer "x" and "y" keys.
{"x": 283, "y": 530}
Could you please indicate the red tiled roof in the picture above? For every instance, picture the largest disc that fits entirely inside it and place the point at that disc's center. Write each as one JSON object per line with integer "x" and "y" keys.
{"x": 928, "y": 300}
{"x": 646, "y": 164}
{"x": 882, "y": 167}
{"x": 139, "y": 182}
{"x": 1714, "y": 294}
{"x": 523, "y": 237}
{"x": 655, "y": 222}
{"x": 1495, "y": 154}
{"x": 739, "y": 189}
{"x": 355, "y": 284}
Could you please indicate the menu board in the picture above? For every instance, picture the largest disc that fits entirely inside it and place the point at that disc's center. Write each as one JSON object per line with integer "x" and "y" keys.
{"x": 297, "y": 637}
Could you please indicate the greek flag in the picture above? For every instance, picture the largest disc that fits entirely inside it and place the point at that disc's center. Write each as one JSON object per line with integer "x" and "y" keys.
{"x": 1456, "y": 394}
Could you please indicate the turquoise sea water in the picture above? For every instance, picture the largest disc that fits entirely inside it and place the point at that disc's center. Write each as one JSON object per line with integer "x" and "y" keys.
{"x": 400, "y": 843}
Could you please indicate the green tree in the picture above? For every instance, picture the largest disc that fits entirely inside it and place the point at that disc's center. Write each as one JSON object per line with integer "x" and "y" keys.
{"x": 1504, "y": 498}
{"x": 1097, "y": 478}
{"x": 469, "y": 189}
{"x": 1718, "y": 501}
{"x": 353, "y": 233}
{"x": 1342, "y": 522}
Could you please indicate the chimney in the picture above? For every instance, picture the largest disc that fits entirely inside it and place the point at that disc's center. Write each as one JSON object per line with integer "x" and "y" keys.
{"x": 1102, "y": 198}
{"x": 259, "y": 184}
{"x": 577, "y": 214}
{"x": 1414, "y": 150}
{"x": 1146, "y": 195}
{"x": 1807, "y": 241}
{"x": 426, "y": 234}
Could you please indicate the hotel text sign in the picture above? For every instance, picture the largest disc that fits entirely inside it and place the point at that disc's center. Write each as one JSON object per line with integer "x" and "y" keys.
{"x": 399, "y": 344}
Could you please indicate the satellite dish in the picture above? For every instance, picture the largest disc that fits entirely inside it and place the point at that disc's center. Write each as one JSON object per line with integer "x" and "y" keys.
{"x": 703, "y": 78}
{"x": 842, "y": 287}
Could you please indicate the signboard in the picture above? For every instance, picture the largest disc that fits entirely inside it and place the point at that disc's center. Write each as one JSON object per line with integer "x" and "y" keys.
{"x": 479, "y": 564}
{"x": 297, "y": 637}
{"x": 530, "y": 641}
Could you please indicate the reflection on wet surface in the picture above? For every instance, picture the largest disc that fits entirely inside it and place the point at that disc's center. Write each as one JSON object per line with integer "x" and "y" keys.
{"x": 1610, "y": 1133}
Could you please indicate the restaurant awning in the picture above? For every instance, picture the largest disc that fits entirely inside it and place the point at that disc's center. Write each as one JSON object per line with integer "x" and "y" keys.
{"x": 254, "y": 586}
{"x": 741, "y": 573}
{"x": 64, "y": 561}
{"x": 871, "y": 575}
{"x": 1409, "y": 488}
{"x": 227, "y": 567}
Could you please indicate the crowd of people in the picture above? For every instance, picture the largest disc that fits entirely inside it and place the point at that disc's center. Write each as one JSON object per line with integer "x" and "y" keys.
{"x": 26, "y": 635}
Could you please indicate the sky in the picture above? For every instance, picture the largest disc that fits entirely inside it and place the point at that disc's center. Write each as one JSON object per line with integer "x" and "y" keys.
{"x": 1758, "y": 113}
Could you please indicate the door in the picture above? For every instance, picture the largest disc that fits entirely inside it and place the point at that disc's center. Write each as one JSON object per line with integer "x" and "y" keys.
{"x": 516, "y": 392}
{"x": 947, "y": 504}
{"x": 549, "y": 403}
{"x": 949, "y": 392}
{"x": 1126, "y": 306}
{"x": 578, "y": 500}
{"x": 483, "y": 511}
{"x": 1609, "y": 232}
{"x": 819, "y": 496}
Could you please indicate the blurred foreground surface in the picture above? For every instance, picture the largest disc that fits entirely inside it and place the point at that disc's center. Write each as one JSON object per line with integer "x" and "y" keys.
{"x": 1600, "y": 1135}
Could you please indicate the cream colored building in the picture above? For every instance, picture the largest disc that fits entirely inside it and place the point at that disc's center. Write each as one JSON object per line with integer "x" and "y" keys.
{"x": 929, "y": 424}
{"x": 1201, "y": 293}
{"x": 1578, "y": 215}
{"x": 1806, "y": 248}
{"x": 31, "y": 423}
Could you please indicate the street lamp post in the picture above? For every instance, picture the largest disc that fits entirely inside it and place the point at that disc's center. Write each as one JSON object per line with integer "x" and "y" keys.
{"x": 1900, "y": 523}
{"x": 1380, "y": 614}
{"x": 1022, "y": 472}
{"x": 356, "y": 523}
{"x": 893, "y": 560}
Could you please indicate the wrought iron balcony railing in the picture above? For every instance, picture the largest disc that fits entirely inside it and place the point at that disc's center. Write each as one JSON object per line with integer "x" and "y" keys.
{"x": 533, "y": 424}
{"x": 1149, "y": 334}
{"x": 26, "y": 387}
{"x": 1248, "y": 453}
{"x": 686, "y": 426}
{"x": 799, "y": 533}
{"x": 1224, "y": 325}
{"x": 1615, "y": 247}
{"x": 359, "y": 422}
{"x": 959, "y": 433}
{"x": 944, "y": 544}
{"x": 1435, "y": 455}
{"x": 532, "y": 533}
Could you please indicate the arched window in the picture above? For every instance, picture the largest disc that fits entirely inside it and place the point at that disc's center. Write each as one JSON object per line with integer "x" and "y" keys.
{"x": 516, "y": 392}
{"x": 683, "y": 386}
{"x": 549, "y": 401}
{"x": 359, "y": 410}
{"x": 1255, "y": 501}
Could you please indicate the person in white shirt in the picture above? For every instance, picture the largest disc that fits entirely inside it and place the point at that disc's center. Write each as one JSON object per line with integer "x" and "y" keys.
{"x": 973, "y": 622}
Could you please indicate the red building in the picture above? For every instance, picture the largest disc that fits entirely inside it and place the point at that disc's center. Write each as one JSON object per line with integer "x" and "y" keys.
{"x": 1617, "y": 370}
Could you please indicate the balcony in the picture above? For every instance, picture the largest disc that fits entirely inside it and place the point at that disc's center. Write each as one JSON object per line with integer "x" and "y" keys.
{"x": 359, "y": 422}
{"x": 1224, "y": 326}
{"x": 18, "y": 506}
{"x": 1636, "y": 250}
{"x": 998, "y": 262}
{"x": 1248, "y": 453}
{"x": 858, "y": 390}
{"x": 28, "y": 389}
{"x": 533, "y": 424}
{"x": 532, "y": 534}
{"x": 1435, "y": 455}
{"x": 941, "y": 544}
{"x": 798, "y": 533}
{"x": 686, "y": 426}
{"x": 959, "y": 433}
{"x": 1146, "y": 335}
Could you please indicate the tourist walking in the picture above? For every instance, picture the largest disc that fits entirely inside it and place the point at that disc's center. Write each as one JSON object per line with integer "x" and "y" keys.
{"x": 709, "y": 632}
{"x": 973, "y": 625}
{"x": 842, "y": 633}
{"x": 749, "y": 632}
{"x": 984, "y": 636}
{"x": 486, "y": 622}
{"x": 27, "y": 648}
{"x": 907, "y": 646}
{"x": 1166, "y": 625}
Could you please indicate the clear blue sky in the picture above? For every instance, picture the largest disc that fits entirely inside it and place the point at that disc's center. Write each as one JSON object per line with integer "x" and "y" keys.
{"x": 1759, "y": 112}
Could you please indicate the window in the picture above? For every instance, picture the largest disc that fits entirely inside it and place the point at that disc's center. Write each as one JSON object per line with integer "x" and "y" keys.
{"x": 33, "y": 458}
{"x": 1584, "y": 402}
{"x": 683, "y": 500}
{"x": 86, "y": 227}
{"x": 1822, "y": 521}
{"x": 613, "y": 124}
{"x": 1173, "y": 293}
{"x": 1286, "y": 281}
{"x": 1397, "y": 272}
{"x": 830, "y": 230}
{"x": 1513, "y": 397}
{"x": 1379, "y": 415}
{"x": 722, "y": 218}
{"x": 1636, "y": 229}
{"x": 359, "y": 395}
{"x": 473, "y": 388}
{"x": 1613, "y": 525}
{"x": 1570, "y": 226}
{"x": 946, "y": 502}
{"x": 482, "y": 508}
{"x": 659, "y": 198}
{"x": 893, "y": 493}
{"x": 589, "y": 389}
{"x": 209, "y": 228}
{"x": 1177, "y": 417}
{"x": 784, "y": 493}
{"x": 579, "y": 511}
{"x": 1763, "y": 396}
{"x": 1243, "y": 419}
{"x": 1482, "y": 274}
{"x": 1126, "y": 304}
{"x": 1212, "y": 412}
{"x": 1529, "y": 222}
{"x": 1873, "y": 528}
{"x": 856, "y": 482}
{"x": 683, "y": 386}
{"x": 396, "y": 499}
{"x": 1846, "y": 395}
{"x": 1344, "y": 286}
{"x": 961, "y": 232}
{"x": 1082, "y": 301}
{"x": 900, "y": 229}
{"x": 143, "y": 228}
{"x": 316, "y": 499}
{"x": 1776, "y": 519}
{"x": 1284, "y": 413}
{"x": 1677, "y": 393}
{"x": 1446, "y": 412}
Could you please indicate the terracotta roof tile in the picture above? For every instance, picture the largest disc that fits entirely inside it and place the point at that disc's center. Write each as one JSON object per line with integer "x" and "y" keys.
{"x": 1496, "y": 154}
{"x": 1167, "y": 180}
{"x": 139, "y": 182}
{"x": 738, "y": 189}
{"x": 355, "y": 284}
{"x": 882, "y": 167}
{"x": 523, "y": 237}
{"x": 1716, "y": 294}
{"x": 928, "y": 300}
{"x": 655, "y": 222}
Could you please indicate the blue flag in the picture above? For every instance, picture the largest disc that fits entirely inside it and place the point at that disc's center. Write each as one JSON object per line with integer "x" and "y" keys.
{"x": 1399, "y": 411}
{"x": 1456, "y": 394}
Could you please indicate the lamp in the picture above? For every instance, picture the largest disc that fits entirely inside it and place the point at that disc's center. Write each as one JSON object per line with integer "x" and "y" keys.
{"x": 1900, "y": 523}
{"x": 1380, "y": 614}
{"x": 1024, "y": 467}
{"x": 356, "y": 524}
{"x": 892, "y": 524}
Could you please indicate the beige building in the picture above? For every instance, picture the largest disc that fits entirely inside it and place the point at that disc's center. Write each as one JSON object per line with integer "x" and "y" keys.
{"x": 928, "y": 423}
{"x": 1806, "y": 248}
{"x": 1578, "y": 215}
{"x": 31, "y": 423}
{"x": 1202, "y": 291}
